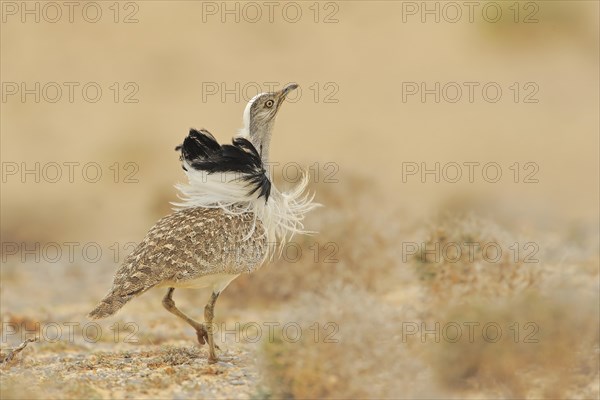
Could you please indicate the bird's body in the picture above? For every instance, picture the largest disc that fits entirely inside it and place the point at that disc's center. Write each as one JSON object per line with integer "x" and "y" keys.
{"x": 230, "y": 219}
{"x": 191, "y": 248}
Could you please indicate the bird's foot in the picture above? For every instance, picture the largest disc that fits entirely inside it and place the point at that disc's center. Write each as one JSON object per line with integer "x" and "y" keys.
{"x": 202, "y": 336}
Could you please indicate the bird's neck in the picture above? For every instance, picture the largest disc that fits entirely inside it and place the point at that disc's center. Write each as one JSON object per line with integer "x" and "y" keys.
{"x": 261, "y": 139}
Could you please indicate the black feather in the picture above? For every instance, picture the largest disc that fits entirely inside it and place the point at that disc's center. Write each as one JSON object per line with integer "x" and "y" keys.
{"x": 203, "y": 153}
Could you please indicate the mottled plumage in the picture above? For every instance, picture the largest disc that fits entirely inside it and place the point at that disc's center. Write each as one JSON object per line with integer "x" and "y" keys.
{"x": 185, "y": 246}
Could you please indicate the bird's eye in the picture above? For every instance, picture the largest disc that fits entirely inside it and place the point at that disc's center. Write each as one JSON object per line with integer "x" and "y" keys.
{"x": 269, "y": 103}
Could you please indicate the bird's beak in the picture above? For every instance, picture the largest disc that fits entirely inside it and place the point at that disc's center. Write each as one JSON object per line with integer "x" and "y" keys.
{"x": 286, "y": 90}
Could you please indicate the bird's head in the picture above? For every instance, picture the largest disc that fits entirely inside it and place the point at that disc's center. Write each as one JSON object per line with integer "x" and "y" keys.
{"x": 263, "y": 108}
{"x": 259, "y": 116}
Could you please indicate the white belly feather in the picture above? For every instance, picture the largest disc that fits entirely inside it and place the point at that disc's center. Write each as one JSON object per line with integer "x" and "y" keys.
{"x": 218, "y": 282}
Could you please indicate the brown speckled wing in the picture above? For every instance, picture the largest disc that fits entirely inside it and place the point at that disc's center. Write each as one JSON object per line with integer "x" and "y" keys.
{"x": 191, "y": 243}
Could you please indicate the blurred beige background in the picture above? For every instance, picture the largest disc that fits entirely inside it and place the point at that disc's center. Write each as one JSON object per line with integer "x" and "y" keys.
{"x": 354, "y": 119}
{"x": 170, "y": 53}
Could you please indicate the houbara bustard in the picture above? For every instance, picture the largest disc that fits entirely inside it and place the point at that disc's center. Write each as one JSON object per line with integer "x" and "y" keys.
{"x": 228, "y": 222}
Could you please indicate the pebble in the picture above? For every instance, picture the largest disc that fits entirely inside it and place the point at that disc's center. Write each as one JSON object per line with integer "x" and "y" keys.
{"x": 224, "y": 364}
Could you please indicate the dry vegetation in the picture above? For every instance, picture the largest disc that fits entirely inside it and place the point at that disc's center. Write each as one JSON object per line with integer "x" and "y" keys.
{"x": 548, "y": 313}
{"x": 362, "y": 305}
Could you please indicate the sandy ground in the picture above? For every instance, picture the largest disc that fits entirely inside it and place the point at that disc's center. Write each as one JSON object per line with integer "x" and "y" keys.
{"x": 177, "y": 369}
{"x": 356, "y": 148}
{"x": 144, "y": 352}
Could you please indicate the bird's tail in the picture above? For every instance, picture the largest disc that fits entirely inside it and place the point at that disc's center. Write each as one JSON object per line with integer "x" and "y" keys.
{"x": 110, "y": 304}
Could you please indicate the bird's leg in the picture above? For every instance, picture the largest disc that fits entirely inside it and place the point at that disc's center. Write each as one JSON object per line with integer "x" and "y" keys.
{"x": 208, "y": 321}
{"x": 169, "y": 304}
